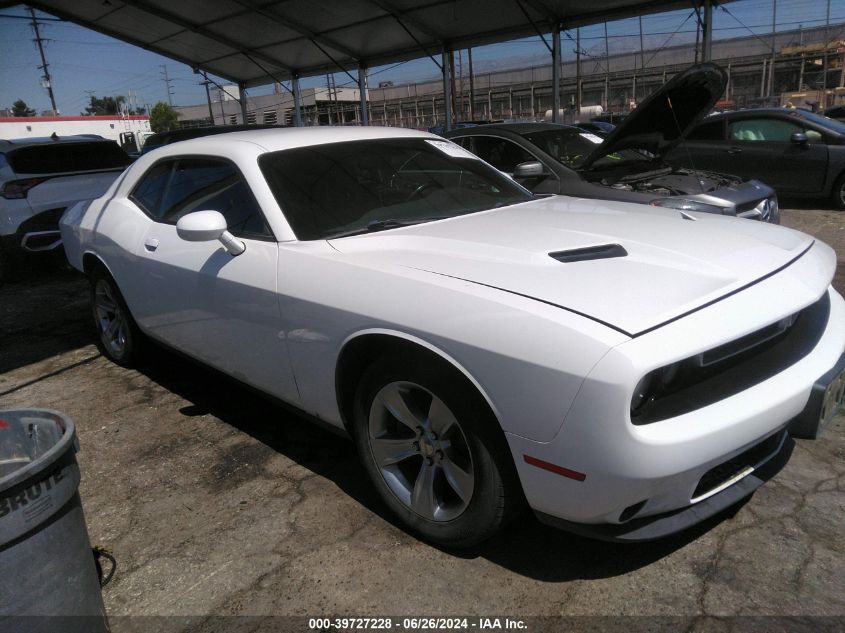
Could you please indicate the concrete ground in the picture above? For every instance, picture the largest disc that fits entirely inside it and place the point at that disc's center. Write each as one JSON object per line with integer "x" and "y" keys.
{"x": 216, "y": 502}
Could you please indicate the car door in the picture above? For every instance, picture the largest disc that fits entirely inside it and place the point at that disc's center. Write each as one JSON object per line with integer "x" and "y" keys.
{"x": 760, "y": 147}
{"x": 704, "y": 148}
{"x": 196, "y": 296}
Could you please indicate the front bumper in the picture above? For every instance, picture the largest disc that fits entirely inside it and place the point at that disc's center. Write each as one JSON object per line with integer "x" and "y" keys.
{"x": 659, "y": 526}
{"x": 636, "y": 475}
{"x": 742, "y": 479}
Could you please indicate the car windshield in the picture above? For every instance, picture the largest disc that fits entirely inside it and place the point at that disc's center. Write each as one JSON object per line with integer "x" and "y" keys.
{"x": 831, "y": 124}
{"x": 571, "y": 146}
{"x": 338, "y": 189}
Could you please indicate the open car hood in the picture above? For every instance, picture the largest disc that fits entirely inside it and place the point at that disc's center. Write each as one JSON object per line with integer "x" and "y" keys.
{"x": 664, "y": 118}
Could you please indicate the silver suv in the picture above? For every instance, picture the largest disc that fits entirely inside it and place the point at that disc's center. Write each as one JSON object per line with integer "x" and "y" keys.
{"x": 39, "y": 179}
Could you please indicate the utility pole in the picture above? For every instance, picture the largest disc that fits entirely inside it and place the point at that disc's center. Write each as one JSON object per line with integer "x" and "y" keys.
{"x": 45, "y": 79}
{"x": 167, "y": 84}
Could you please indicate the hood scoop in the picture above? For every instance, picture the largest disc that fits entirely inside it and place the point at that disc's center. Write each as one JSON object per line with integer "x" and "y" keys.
{"x": 602, "y": 251}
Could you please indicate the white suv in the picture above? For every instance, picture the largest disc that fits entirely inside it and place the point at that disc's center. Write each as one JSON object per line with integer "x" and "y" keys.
{"x": 40, "y": 178}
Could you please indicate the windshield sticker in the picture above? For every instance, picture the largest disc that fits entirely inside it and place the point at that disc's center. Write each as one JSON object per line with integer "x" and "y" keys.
{"x": 450, "y": 149}
{"x": 592, "y": 138}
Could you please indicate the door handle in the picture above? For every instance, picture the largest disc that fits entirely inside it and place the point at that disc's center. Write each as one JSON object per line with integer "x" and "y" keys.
{"x": 151, "y": 244}
{"x": 735, "y": 150}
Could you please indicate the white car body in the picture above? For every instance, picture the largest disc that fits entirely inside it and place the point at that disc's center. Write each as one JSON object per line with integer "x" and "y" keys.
{"x": 31, "y": 203}
{"x": 556, "y": 349}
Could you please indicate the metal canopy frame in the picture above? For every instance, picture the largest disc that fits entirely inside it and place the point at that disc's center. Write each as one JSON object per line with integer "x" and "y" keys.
{"x": 256, "y": 42}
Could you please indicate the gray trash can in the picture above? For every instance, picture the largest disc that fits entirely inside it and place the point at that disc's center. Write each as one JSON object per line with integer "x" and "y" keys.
{"x": 48, "y": 578}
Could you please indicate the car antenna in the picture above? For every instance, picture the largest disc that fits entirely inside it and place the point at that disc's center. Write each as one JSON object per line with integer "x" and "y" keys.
{"x": 684, "y": 143}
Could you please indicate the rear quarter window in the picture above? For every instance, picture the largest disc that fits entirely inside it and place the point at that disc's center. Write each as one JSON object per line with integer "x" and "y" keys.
{"x": 67, "y": 157}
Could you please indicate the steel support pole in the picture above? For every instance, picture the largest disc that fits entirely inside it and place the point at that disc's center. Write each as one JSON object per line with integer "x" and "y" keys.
{"x": 556, "y": 73}
{"x": 707, "y": 34}
{"x": 447, "y": 88}
{"x": 297, "y": 100}
{"x": 362, "y": 90}
{"x": 774, "y": 48}
{"x": 242, "y": 89}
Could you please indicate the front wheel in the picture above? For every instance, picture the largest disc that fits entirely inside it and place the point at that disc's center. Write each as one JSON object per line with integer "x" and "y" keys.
{"x": 838, "y": 195}
{"x": 433, "y": 451}
{"x": 118, "y": 336}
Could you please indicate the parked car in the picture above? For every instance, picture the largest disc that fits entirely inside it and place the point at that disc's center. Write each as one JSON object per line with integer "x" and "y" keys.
{"x": 159, "y": 139}
{"x": 798, "y": 152}
{"x": 627, "y": 163}
{"x": 39, "y": 179}
{"x": 626, "y": 370}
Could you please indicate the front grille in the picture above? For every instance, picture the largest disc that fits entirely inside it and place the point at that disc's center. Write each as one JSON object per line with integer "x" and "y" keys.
{"x": 747, "y": 206}
{"x": 727, "y": 370}
{"x": 724, "y": 472}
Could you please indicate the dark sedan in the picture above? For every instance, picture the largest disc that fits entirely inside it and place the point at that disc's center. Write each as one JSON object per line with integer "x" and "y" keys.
{"x": 797, "y": 152}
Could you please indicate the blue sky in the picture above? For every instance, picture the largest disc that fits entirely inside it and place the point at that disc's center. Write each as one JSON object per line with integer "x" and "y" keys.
{"x": 83, "y": 62}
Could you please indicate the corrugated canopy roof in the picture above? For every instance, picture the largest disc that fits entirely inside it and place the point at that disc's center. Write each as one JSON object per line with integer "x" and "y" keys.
{"x": 259, "y": 41}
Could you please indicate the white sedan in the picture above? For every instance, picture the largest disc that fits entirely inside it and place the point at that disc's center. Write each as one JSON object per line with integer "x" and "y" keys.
{"x": 625, "y": 370}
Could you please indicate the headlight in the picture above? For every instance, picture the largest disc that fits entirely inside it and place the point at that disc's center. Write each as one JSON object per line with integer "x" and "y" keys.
{"x": 683, "y": 204}
{"x": 652, "y": 385}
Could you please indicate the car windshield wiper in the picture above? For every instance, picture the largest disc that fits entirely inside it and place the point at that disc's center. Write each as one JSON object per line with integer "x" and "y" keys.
{"x": 382, "y": 225}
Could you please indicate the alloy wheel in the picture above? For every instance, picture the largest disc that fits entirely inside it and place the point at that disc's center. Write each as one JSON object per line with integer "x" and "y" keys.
{"x": 421, "y": 451}
{"x": 111, "y": 320}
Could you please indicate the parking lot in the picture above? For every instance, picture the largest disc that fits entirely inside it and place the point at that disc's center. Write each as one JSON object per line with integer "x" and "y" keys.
{"x": 216, "y": 502}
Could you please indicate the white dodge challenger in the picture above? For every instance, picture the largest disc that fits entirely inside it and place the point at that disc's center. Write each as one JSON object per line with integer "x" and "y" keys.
{"x": 627, "y": 371}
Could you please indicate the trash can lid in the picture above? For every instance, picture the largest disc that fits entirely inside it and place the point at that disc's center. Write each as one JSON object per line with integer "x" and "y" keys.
{"x": 32, "y": 441}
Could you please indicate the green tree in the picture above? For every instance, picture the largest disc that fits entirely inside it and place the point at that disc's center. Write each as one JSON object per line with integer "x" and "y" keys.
{"x": 105, "y": 105}
{"x": 163, "y": 117}
{"x": 110, "y": 106}
{"x": 19, "y": 108}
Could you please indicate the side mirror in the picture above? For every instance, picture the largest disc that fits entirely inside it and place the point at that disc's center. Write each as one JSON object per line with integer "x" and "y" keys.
{"x": 205, "y": 226}
{"x": 799, "y": 138}
{"x": 530, "y": 169}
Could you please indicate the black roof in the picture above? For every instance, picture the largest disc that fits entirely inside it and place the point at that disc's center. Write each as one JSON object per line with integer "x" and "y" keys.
{"x": 15, "y": 143}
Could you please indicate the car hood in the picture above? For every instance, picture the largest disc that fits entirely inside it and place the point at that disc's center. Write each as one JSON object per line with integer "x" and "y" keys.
{"x": 665, "y": 117}
{"x": 670, "y": 265}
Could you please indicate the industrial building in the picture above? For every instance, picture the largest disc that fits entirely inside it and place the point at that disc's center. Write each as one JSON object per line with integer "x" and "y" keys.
{"x": 801, "y": 69}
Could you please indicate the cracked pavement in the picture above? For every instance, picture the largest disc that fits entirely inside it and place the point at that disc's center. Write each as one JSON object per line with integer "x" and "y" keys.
{"x": 217, "y": 502}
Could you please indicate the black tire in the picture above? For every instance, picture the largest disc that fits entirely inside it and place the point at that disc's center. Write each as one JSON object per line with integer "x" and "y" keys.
{"x": 495, "y": 496}
{"x": 118, "y": 336}
{"x": 838, "y": 194}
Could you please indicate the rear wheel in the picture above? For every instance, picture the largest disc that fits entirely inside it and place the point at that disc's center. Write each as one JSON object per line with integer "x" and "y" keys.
{"x": 433, "y": 451}
{"x": 118, "y": 336}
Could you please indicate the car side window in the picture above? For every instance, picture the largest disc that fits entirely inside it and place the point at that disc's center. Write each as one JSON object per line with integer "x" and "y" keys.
{"x": 148, "y": 192}
{"x": 503, "y": 154}
{"x": 712, "y": 131}
{"x": 201, "y": 184}
{"x": 775, "y": 130}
